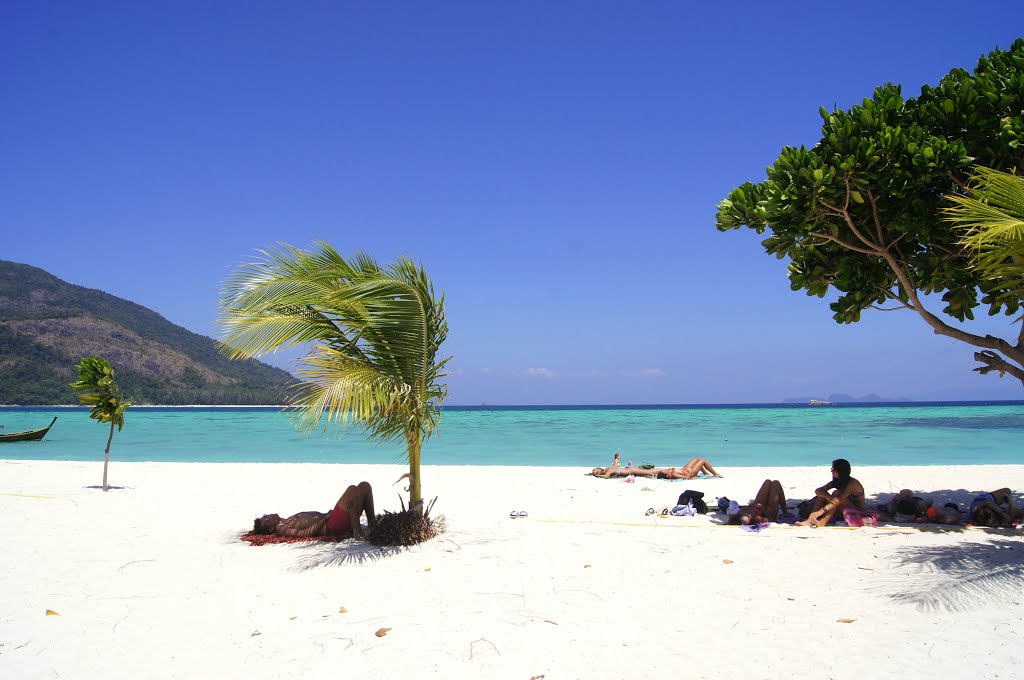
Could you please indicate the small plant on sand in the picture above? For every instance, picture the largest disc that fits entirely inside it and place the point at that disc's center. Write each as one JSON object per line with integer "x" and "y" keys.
{"x": 407, "y": 527}
{"x": 96, "y": 388}
{"x": 373, "y": 335}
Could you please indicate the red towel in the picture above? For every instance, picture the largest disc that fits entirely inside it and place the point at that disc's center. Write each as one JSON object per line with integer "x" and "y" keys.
{"x": 264, "y": 539}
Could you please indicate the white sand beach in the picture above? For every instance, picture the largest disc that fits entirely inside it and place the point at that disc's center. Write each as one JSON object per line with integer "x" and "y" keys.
{"x": 150, "y": 580}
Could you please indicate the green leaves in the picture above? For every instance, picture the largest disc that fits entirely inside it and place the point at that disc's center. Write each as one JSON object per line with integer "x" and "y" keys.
{"x": 96, "y": 388}
{"x": 373, "y": 335}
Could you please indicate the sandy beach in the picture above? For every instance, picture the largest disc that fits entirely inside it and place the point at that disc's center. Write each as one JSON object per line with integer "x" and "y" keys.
{"x": 151, "y": 580}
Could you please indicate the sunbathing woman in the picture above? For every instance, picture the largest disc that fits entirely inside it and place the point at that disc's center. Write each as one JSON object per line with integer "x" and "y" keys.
{"x": 695, "y": 467}
{"x": 849, "y": 493}
{"x": 767, "y": 504}
{"x": 341, "y": 522}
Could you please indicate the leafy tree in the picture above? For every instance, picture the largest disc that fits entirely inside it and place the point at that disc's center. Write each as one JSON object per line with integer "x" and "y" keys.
{"x": 862, "y": 211}
{"x": 373, "y": 332}
{"x": 96, "y": 388}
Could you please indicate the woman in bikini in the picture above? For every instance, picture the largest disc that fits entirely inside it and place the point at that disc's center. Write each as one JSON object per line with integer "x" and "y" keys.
{"x": 695, "y": 467}
{"x": 848, "y": 493}
{"x": 769, "y": 501}
{"x": 341, "y": 522}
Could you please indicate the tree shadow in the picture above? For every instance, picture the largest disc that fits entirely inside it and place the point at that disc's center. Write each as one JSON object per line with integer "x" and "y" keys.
{"x": 317, "y": 555}
{"x": 962, "y": 576}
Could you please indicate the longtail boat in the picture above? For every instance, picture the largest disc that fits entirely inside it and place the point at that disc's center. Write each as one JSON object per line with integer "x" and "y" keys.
{"x": 27, "y": 435}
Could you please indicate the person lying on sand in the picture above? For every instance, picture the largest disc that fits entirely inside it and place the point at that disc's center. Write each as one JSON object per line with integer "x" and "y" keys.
{"x": 341, "y": 522}
{"x": 695, "y": 467}
{"x": 849, "y": 493}
{"x": 769, "y": 501}
{"x": 994, "y": 509}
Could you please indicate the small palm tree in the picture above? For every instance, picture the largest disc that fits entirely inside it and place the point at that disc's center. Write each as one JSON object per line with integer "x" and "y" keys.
{"x": 992, "y": 218}
{"x": 96, "y": 388}
{"x": 374, "y": 334}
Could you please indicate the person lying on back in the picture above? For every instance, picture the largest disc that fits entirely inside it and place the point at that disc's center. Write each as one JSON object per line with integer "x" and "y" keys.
{"x": 994, "y": 509}
{"x": 766, "y": 506}
{"x": 341, "y": 522}
{"x": 842, "y": 492}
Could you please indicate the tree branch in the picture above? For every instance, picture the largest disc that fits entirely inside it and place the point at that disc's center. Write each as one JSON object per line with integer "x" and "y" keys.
{"x": 844, "y": 244}
{"x": 890, "y": 309}
{"x": 845, "y": 214}
{"x": 878, "y": 222}
{"x": 956, "y": 180}
{"x": 994, "y": 362}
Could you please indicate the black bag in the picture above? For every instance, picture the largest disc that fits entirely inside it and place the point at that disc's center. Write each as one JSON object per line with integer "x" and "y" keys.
{"x": 695, "y": 497}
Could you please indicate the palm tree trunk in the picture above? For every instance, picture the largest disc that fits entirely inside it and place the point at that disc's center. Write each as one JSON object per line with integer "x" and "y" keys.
{"x": 106, "y": 456}
{"x": 412, "y": 439}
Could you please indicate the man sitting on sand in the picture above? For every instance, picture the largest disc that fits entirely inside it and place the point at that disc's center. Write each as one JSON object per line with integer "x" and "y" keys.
{"x": 769, "y": 501}
{"x": 341, "y": 522}
{"x": 849, "y": 493}
{"x": 695, "y": 467}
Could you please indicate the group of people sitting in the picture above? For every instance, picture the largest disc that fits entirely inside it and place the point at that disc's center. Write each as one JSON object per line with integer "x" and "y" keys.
{"x": 843, "y": 498}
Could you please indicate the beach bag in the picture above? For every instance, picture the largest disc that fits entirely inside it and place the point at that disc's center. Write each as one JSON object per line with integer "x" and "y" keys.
{"x": 696, "y": 498}
{"x": 856, "y": 518}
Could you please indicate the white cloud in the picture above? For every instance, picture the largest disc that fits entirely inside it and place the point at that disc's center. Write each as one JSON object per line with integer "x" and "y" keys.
{"x": 545, "y": 373}
{"x": 645, "y": 373}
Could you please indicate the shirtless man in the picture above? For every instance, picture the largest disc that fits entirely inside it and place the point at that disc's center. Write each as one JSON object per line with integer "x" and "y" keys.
{"x": 341, "y": 522}
{"x": 849, "y": 493}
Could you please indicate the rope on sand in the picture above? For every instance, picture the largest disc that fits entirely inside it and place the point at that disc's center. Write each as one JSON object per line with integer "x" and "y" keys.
{"x": 27, "y": 495}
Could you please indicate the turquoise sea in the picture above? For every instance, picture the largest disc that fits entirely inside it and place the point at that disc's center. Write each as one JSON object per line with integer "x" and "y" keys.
{"x": 585, "y": 436}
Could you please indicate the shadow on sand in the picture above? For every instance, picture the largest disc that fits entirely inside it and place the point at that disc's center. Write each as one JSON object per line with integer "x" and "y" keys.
{"x": 319, "y": 554}
{"x": 964, "y": 575}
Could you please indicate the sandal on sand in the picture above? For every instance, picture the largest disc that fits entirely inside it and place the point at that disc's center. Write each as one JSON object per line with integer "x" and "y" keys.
{"x": 650, "y": 511}
{"x": 523, "y": 513}
{"x": 514, "y": 514}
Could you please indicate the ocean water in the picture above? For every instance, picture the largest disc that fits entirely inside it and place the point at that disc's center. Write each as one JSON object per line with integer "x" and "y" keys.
{"x": 728, "y": 435}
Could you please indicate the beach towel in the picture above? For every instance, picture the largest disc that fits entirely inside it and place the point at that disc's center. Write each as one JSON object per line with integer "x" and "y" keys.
{"x": 755, "y": 528}
{"x": 857, "y": 518}
{"x": 265, "y": 539}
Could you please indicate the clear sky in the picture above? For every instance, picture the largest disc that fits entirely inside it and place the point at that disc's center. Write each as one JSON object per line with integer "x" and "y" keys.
{"x": 555, "y": 165}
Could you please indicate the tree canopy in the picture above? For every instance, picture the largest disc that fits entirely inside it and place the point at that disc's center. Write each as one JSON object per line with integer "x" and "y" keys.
{"x": 861, "y": 212}
{"x": 374, "y": 335}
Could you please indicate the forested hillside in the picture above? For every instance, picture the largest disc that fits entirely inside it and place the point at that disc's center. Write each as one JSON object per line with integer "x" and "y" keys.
{"x": 47, "y": 325}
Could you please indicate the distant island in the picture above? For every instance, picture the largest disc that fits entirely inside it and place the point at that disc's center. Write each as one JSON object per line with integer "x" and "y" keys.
{"x": 47, "y": 325}
{"x": 842, "y": 399}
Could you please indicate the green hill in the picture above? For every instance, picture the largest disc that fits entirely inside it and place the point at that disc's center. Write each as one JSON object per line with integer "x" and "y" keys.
{"x": 47, "y": 325}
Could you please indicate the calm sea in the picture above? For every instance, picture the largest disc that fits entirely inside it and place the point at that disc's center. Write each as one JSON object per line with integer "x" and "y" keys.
{"x": 733, "y": 435}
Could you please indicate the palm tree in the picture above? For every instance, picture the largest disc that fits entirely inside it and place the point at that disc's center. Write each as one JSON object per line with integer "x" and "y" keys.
{"x": 96, "y": 388}
{"x": 373, "y": 335}
{"x": 992, "y": 218}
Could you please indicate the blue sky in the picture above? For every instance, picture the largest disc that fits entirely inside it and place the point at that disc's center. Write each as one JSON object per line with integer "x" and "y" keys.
{"x": 555, "y": 165}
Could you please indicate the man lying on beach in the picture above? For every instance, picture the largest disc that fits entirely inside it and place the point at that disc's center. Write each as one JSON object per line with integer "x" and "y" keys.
{"x": 769, "y": 501}
{"x": 695, "y": 467}
{"x": 994, "y": 509}
{"x": 341, "y": 522}
{"x": 849, "y": 493}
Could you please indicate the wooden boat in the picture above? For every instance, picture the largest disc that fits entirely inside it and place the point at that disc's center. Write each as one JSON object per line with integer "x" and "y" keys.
{"x": 27, "y": 435}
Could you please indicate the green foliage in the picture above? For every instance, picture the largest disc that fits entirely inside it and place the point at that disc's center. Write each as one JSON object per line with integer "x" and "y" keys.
{"x": 992, "y": 223}
{"x": 374, "y": 335}
{"x": 96, "y": 388}
{"x": 861, "y": 211}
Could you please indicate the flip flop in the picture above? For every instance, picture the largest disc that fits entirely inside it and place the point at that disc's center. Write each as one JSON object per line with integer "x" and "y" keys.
{"x": 650, "y": 511}
{"x": 523, "y": 513}
{"x": 513, "y": 514}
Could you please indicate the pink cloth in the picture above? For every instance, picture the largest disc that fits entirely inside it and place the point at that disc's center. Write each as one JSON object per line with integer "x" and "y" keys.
{"x": 857, "y": 518}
